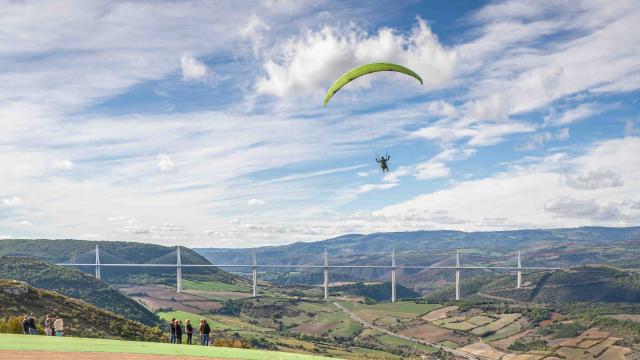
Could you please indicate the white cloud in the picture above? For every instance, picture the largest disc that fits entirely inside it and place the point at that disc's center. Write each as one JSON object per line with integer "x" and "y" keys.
{"x": 302, "y": 65}
{"x": 375, "y": 187}
{"x": 537, "y": 140}
{"x": 537, "y": 193}
{"x": 431, "y": 170}
{"x": 581, "y": 112}
{"x": 11, "y": 201}
{"x": 25, "y": 223}
{"x": 256, "y": 202}
{"x": 594, "y": 179}
{"x": 585, "y": 209}
{"x": 165, "y": 164}
{"x": 192, "y": 68}
{"x": 64, "y": 164}
{"x": 484, "y": 134}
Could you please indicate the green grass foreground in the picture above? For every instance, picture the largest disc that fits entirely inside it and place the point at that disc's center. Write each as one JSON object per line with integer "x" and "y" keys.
{"x": 71, "y": 344}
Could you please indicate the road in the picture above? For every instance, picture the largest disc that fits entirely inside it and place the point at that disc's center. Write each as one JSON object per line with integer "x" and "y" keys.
{"x": 419, "y": 341}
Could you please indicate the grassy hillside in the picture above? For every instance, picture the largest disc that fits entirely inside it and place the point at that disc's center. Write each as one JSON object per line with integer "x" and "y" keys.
{"x": 353, "y": 245}
{"x": 81, "y": 319}
{"x": 377, "y": 292}
{"x": 75, "y": 284}
{"x": 581, "y": 284}
{"x": 67, "y": 344}
{"x": 61, "y": 251}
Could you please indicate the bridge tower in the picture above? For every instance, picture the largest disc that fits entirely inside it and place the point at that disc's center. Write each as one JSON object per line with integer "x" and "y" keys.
{"x": 97, "y": 262}
{"x": 326, "y": 275}
{"x": 457, "y": 275}
{"x": 393, "y": 275}
{"x": 178, "y": 271}
{"x": 519, "y": 273}
{"x": 254, "y": 273}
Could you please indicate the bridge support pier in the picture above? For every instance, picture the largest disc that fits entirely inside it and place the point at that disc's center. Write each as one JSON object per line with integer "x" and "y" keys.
{"x": 457, "y": 275}
{"x": 393, "y": 276}
{"x": 519, "y": 273}
{"x": 178, "y": 271}
{"x": 326, "y": 275}
{"x": 97, "y": 262}
{"x": 254, "y": 276}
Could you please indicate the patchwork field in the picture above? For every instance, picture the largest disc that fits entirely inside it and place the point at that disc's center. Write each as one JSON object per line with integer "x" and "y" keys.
{"x": 158, "y": 297}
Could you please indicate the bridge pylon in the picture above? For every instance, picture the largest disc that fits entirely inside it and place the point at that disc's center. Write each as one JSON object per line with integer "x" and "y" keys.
{"x": 519, "y": 272}
{"x": 254, "y": 275}
{"x": 97, "y": 262}
{"x": 393, "y": 275}
{"x": 326, "y": 275}
{"x": 457, "y": 275}
{"x": 178, "y": 271}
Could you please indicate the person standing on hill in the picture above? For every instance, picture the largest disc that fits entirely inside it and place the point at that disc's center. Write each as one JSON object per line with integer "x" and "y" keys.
{"x": 25, "y": 325}
{"x": 32, "y": 325}
{"x": 172, "y": 327}
{"x": 206, "y": 330}
{"x": 189, "y": 329}
{"x": 178, "y": 332}
{"x": 58, "y": 326}
{"x": 201, "y": 331}
{"x": 48, "y": 324}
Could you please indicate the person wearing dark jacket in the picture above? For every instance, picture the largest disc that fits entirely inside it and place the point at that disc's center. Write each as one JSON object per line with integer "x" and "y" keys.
{"x": 25, "y": 325}
{"x": 178, "y": 332}
{"x": 172, "y": 327}
{"x": 32, "y": 325}
{"x": 189, "y": 328}
{"x": 206, "y": 330}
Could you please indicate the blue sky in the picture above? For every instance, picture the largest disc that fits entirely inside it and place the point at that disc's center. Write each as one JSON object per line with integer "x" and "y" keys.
{"x": 201, "y": 123}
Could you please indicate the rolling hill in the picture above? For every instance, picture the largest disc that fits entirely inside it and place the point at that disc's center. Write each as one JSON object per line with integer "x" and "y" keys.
{"x": 66, "y": 250}
{"x": 75, "y": 284}
{"x": 540, "y": 247}
{"x": 81, "y": 319}
{"x": 580, "y": 284}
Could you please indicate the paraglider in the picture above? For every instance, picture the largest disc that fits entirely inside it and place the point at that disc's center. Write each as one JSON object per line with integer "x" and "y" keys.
{"x": 359, "y": 71}
{"x": 383, "y": 162}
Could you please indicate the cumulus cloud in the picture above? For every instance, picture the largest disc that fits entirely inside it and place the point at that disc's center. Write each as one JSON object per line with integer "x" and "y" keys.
{"x": 192, "y": 68}
{"x": 64, "y": 164}
{"x": 595, "y": 179}
{"x": 165, "y": 164}
{"x": 11, "y": 201}
{"x": 302, "y": 65}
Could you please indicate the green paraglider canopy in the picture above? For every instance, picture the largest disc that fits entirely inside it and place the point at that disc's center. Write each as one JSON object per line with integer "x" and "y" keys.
{"x": 364, "y": 70}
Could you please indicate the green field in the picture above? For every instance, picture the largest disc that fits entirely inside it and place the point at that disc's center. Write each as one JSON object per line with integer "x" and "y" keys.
{"x": 50, "y": 343}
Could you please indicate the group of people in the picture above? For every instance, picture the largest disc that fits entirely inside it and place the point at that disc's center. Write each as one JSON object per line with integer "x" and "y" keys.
{"x": 52, "y": 326}
{"x": 177, "y": 331}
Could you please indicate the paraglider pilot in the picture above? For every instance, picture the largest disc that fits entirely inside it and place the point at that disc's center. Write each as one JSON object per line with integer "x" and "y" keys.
{"x": 383, "y": 162}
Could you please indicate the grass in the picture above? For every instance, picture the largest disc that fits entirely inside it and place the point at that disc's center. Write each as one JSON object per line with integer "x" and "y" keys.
{"x": 52, "y": 343}
{"x": 503, "y": 321}
{"x": 507, "y": 331}
{"x": 213, "y": 286}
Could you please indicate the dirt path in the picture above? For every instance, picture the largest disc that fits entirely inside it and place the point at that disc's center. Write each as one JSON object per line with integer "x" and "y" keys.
{"x": 55, "y": 355}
